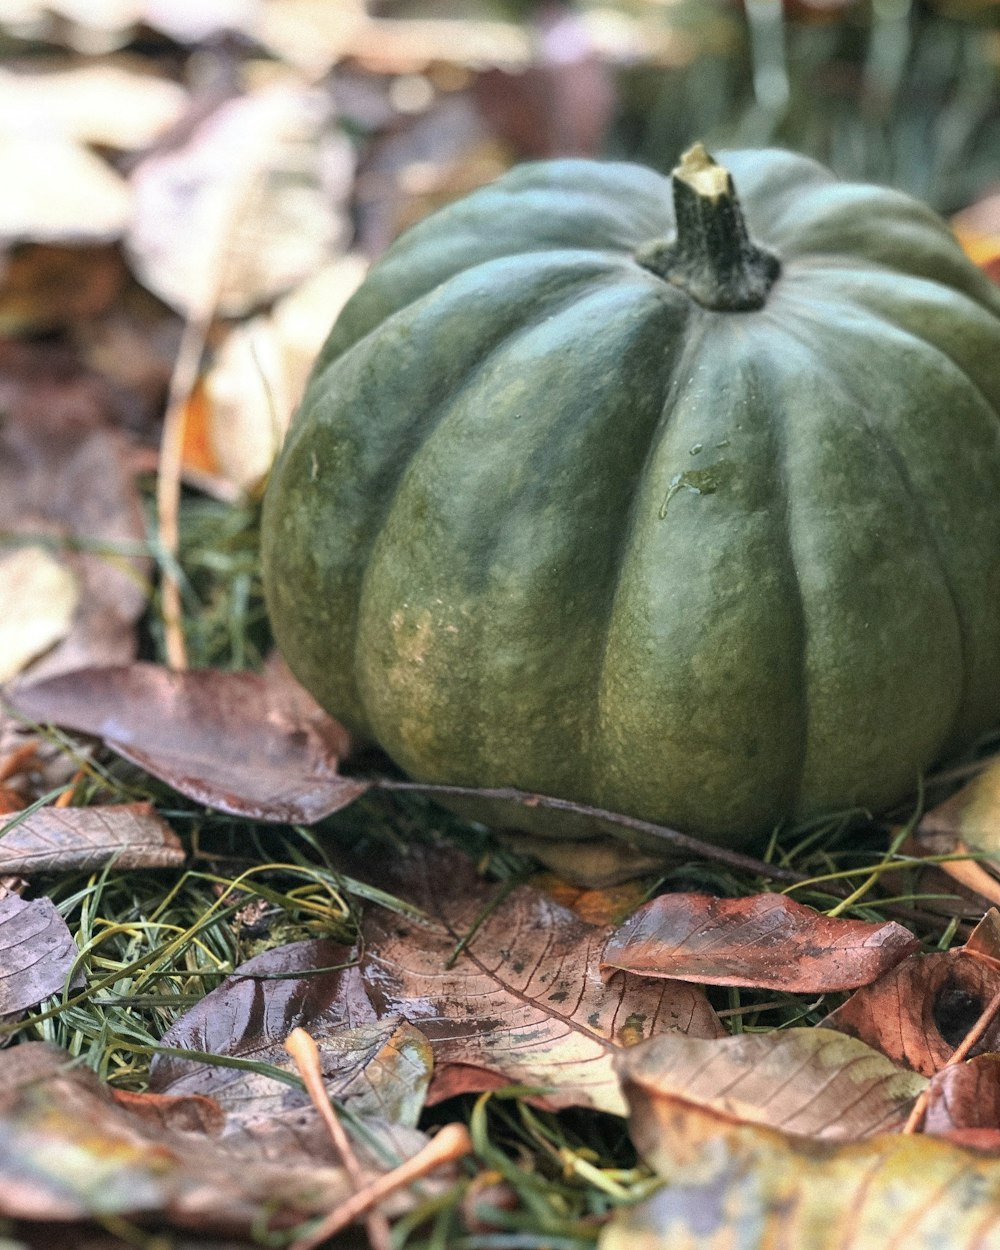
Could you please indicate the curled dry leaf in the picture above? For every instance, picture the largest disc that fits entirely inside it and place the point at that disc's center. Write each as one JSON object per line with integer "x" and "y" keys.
{"x": 919, "y": 1011}
{"x": 70, "y": 1149}
{"x": 85, "y": 839}
{"x": 751, "y": 1187}
{"x": 766, "y": 941}
{"x": 966, "y": 1096}
{"x": 253, "y": 744}
{"x": 813, "y": 1082}
{"x": 37, "y": 953}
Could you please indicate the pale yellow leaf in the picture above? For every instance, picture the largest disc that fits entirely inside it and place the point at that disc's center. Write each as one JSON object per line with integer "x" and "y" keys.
{"x": 38, "y": 599}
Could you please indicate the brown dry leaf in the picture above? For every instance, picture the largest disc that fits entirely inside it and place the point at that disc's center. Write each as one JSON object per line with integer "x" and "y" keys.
{"x": 253, "y": 744}
{"x": 69, "y": 1149}
{"x": 44, "y": 286}
{"x": 507, "y": 986}
{"x": 248, "y": 207}
{"x": 111, "y": 104}
{"x": 85, "y": 839}
{"x": 38, "y": 600}
{"x": 813, "y": 1082}
{"x": 918, "y": 1012}
{"x": 37, "y": 953}
{"x": 966, "y": 1096}
{"x": 767, "y": 941}
{"x": 734, "y": 1186}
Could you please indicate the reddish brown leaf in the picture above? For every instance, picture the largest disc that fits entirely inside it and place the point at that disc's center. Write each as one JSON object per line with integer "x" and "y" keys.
{"x": 768, "y": 941}
{"x": 37, "y": 952}
{"x": 254, "y": 744}
{"x": 509, "y": 985}
{"x": 918, "y": 1012}
{"x": 965, "y": 1096}
{"x": 83, "y": 839}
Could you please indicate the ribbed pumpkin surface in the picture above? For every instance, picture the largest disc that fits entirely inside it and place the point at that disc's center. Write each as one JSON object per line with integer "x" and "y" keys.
{"x": 545, "y": 520}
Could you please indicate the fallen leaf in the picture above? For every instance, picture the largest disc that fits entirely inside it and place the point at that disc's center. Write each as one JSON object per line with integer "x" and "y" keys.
{"x": 248, "y": 207}
{"x": 919, "y": 1011}
{"x": 86, "y": 839}
{"x": 971, "y": 815}
{"x": 978, "y": 230}
{"x": 380, "y": 1068}
{"x": 768, "y": 941}
{"x": 607, "y": 906}
{"x": 58, "y": 192}
{"x": 965, "y": 1096}
{"x": 65, "y": 482}
{"x": 69, "y": 1149}
{"x": 108, "y": 104}
{"x": 38, "y": 600}
{"x": 813, "y": 1082}
{"x": 748, "y": 1186}
{"x": 253, "y": 744}
{"x": 45, "y": 286}
{"x": 260, "y": 373}
{"x": 507, "y": 986}
{"x": 37, "y": 953}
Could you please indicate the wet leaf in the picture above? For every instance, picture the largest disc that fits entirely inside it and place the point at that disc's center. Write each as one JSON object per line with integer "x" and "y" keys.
{"x": 766, "y": 941}
{"x": 814, "y": 1082}
{"x": 70, "y": 1149}
{"x": 38, "y": 600}
{"x": 919, "y": 1011}
{"x": 254, "y": 744}
{"x": 37, "y": 953}
{"x": 507, "y": 986}
{"x": 85, "y": 839}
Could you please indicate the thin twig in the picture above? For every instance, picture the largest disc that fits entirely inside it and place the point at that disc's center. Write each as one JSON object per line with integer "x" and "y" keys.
{"x": 301, "y": 1046}
{"x": 682, "y": 843}
{"x": 450, "y": 1143}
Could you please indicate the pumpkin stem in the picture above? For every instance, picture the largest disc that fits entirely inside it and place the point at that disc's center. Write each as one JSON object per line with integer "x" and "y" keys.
{"x": 712, "y": 257}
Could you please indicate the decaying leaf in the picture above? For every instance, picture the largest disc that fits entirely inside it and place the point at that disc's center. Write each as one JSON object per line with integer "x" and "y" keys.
{"x": 965, "y": 1097}
{"x": 919, "y": 1011}
{"x": 733, "y": 1186}
{"x": 254, "y": 744}
{"x": 37, "y": 953}
{"x": 69, "y": 1149}
{"x": 767, "y": 941}
{"x": 971, "y": 815}
{"x": 813, "y": 1082}
{"x": 85, "y": 839}
{"x": 380, "y": 1067}
{"x": 507, "y": 986}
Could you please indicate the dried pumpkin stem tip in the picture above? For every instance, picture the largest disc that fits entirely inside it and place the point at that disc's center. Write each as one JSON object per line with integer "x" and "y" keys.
{"x": 712, "y": 258}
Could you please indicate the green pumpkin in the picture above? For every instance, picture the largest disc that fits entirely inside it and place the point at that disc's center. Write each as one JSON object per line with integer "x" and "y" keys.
{"x": 690, "y": 512}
